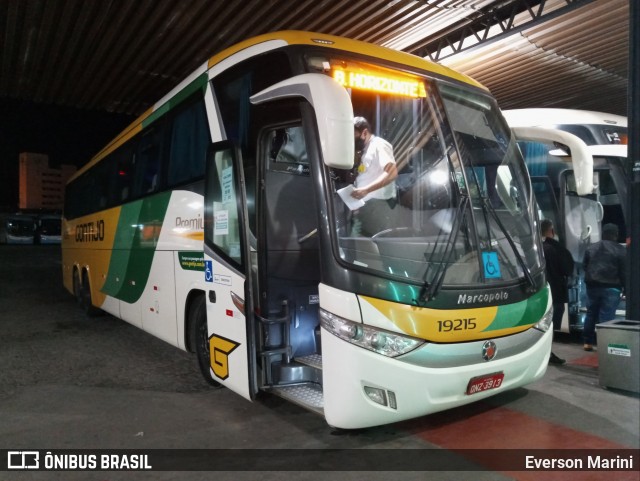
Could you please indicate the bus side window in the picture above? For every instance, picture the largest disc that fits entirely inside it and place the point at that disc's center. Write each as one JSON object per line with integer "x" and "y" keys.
{"x": 148, "y": 161}
{"x": 125, "y": 162}
{"x": 85, "y": 194}
{"x": 104, "y": 173}
{"x": 190, "y": 138}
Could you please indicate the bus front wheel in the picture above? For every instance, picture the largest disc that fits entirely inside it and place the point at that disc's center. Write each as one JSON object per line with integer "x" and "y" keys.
{"x": 198, "y": 321}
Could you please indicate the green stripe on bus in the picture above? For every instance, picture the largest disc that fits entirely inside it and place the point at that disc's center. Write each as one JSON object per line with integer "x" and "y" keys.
{"x": 199, "y": 83}
{"x": 521, "y": 313}
{"x": 134, "y": 247}
{"x": 121, "y": 248}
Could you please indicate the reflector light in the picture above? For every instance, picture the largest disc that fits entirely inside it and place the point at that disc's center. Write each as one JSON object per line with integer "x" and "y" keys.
{"x": 392, "y": 400}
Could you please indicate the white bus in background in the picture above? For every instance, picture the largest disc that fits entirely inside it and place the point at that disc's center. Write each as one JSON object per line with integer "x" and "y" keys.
{"x": 577, "y": 163}
{"x": 48, "y": 229}
{"x": 18, "y": 229}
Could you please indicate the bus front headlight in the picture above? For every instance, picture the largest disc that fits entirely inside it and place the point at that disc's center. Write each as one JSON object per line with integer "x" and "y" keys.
{"x": 547, "y": 320}
{"x": 377, "y": 340}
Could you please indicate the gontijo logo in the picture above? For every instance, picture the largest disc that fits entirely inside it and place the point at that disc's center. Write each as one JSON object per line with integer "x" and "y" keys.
{"x": 90, "y": 231}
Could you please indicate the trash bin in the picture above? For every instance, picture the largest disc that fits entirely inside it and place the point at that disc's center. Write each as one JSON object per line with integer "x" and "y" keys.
{"x": 618, "y": 359}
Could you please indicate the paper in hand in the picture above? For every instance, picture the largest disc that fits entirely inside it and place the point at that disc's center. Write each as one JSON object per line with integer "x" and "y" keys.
{"x": 351, "y": 202}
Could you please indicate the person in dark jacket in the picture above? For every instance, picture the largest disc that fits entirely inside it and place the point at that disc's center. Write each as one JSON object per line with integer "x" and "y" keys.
{"x": 604, "y": 275}
{"x": 559, "y": 266}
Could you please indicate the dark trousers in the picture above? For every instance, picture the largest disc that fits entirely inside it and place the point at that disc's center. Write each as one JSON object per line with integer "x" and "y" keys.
{"x": 558, "y": 312}
{"x": 374, "y": 217}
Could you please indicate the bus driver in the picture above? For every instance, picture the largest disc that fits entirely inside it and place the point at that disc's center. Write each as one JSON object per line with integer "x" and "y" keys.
{"x": 374, "y": 183}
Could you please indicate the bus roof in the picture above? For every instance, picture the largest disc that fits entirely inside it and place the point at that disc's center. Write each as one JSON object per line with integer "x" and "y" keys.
{"x": 540, "y": 117}
{"x": 199, "y": 77}
{"x": 294, "y": 37}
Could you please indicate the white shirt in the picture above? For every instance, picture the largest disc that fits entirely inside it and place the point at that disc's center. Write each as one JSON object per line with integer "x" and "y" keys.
{"x": 377, "y": 154}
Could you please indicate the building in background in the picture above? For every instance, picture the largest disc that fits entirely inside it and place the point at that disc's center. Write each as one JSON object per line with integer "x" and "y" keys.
{"x": 42, "y": 187}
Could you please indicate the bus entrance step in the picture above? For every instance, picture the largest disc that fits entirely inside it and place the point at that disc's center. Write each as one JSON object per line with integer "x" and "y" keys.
{"x": 308, "y": 396}
{"x": 313, "y": 360}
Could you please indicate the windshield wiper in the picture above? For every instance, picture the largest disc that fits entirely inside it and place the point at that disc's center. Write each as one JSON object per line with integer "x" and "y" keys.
{"x": 486, "y": 204}
{"x": 429, "y": 290}
{"x": 488, "y": 207}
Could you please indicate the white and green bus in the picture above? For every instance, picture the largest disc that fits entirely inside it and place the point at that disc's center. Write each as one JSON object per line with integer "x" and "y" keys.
{"x": 215, "y": 223}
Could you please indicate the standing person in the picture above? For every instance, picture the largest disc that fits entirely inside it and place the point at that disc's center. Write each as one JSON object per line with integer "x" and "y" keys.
{"x": 559, "y": 266}
{"x": 604, "y": 275}
{"x": 375, "y": 182}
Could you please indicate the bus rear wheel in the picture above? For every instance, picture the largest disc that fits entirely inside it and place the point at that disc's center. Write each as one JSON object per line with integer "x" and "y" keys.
{"x": 77, "y": 288}
{"x": 86, "y": 303}
{"x": 198, "y": 321}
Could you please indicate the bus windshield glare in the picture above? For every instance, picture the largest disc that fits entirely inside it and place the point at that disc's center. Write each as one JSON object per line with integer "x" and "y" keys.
{"x": 459, "y": 211}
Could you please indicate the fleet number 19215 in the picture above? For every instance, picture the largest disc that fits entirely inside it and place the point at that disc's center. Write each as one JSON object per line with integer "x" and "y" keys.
{"x": 456, "y": 324}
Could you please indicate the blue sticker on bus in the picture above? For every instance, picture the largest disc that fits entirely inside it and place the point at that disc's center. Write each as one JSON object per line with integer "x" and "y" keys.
{"x": 208, "y": 271}
{"x": 491, "y": 265}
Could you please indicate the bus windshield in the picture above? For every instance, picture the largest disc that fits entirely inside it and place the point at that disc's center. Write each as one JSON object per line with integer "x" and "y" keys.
{"x": 459, "y": 210}
{"x": 50, "y": 226}
{"x": 20, "y": 226}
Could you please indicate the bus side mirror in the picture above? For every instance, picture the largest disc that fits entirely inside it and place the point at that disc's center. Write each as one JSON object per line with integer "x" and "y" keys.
{"x": 581, "y": 158}
{"x": 333, "y": 110}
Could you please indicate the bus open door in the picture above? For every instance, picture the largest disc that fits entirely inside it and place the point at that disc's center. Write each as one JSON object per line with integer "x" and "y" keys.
{"x": 228, "y": 297}
{"x": 233, "y": 313}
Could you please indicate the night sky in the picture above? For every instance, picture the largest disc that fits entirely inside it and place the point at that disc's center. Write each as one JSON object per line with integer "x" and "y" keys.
{"x": 66, "y": 135}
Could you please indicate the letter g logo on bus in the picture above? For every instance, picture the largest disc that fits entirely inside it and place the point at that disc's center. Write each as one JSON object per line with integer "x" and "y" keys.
{"x": 219, "y": 350}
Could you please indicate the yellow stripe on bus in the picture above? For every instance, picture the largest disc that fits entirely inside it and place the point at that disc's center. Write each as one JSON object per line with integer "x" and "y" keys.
{"x": 356, "y": 46}
{"x": 443, "y": 325}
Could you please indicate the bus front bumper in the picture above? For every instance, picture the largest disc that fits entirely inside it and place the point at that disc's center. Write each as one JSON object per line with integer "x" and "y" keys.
{"x": 410, "y": 390}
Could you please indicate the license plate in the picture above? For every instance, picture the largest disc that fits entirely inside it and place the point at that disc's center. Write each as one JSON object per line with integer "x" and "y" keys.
{"x": 484, "y": 383}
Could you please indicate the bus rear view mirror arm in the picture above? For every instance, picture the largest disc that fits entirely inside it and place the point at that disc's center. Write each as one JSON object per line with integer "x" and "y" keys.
{"x": 581, "y": 158}
{"x": 333, "y": 110}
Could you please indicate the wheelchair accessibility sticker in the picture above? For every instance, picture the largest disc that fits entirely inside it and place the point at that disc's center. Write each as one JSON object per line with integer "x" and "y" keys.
{"x": 491, "y": 265}
{"x": 208, "y": 271}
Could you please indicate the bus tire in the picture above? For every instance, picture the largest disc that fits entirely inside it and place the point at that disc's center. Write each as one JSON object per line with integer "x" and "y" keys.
{"x": 77, "y": 288}
{"x": 198, "y": 322}
{"x": 86, "y": 303}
